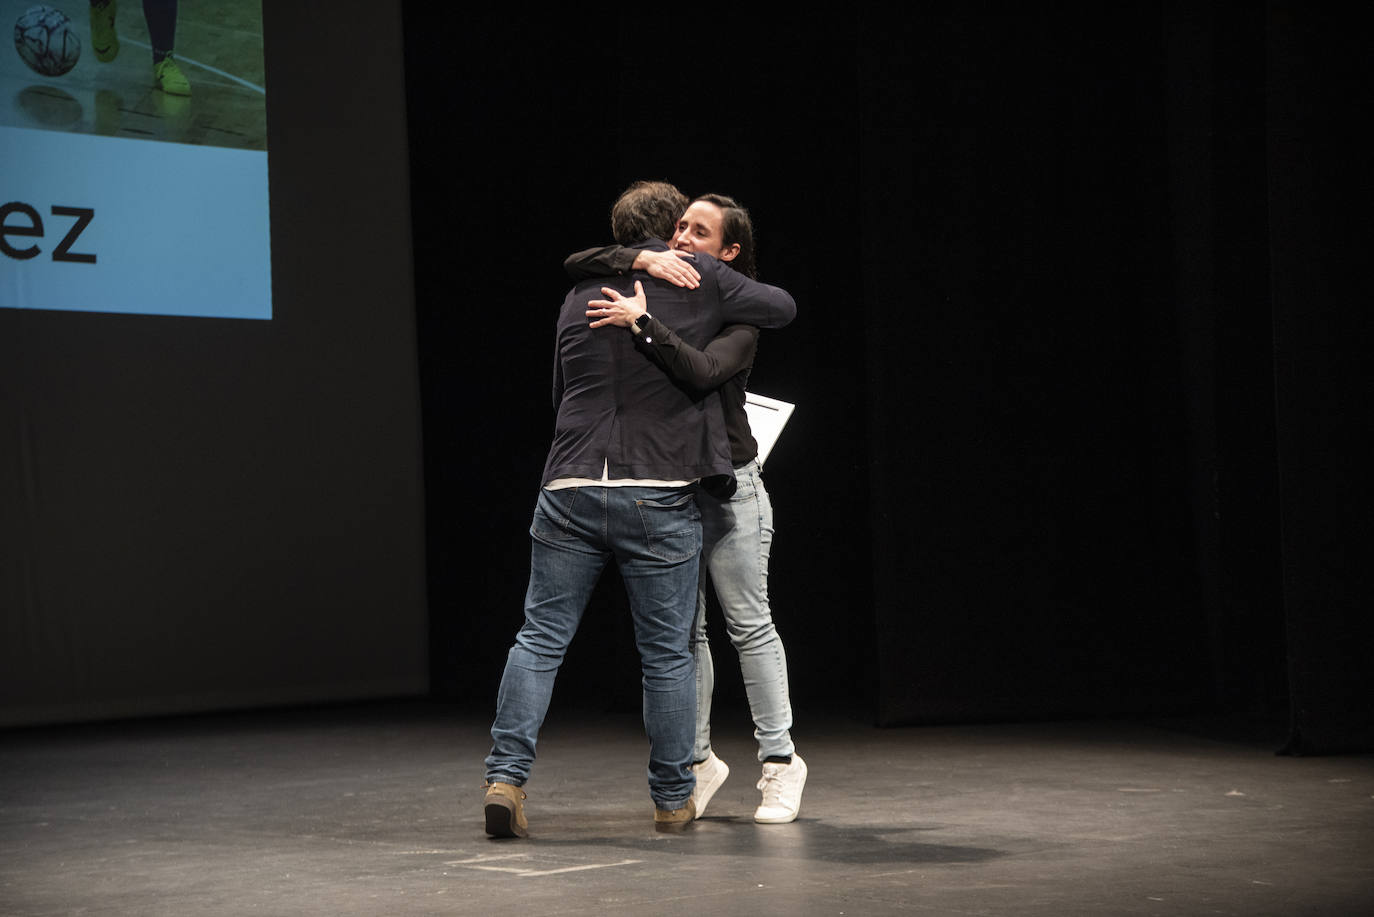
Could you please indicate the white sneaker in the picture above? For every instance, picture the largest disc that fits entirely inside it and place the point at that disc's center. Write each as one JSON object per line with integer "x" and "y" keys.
{"x": 711, "y": 773}
{"x": 782, "y": 791}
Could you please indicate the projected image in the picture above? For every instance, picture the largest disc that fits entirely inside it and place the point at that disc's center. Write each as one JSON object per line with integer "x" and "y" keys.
{"x": 95, "y": 218}
{"x": 175, "y": 70}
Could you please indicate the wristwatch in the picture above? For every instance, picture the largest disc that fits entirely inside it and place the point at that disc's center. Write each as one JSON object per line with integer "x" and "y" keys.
{"x": 641, "y": 325}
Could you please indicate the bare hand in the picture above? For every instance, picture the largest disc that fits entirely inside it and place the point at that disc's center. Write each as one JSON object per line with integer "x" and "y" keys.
{"x": 669, "y": 266}
{"x": 618, "y": 310}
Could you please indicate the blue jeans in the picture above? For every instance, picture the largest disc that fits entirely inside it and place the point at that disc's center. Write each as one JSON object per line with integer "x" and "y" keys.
{"x": 654, "y": 534}
{"x": 737, "y": 535}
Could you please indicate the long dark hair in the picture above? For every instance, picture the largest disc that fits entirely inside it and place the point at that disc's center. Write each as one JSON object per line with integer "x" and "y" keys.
{"x": 735, "y": 227}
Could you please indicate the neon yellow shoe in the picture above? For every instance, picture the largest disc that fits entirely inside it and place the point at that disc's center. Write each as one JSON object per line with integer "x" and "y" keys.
{"x": 169, "y": 78}
{"x": 104, "y": 38}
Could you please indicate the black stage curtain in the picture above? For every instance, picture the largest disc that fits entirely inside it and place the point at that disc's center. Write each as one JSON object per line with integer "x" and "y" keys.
{"x": 1035, "y": 466}
{"x": 1320, "y": 201}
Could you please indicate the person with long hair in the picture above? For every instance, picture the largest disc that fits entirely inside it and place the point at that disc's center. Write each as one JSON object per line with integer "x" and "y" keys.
{"x": 737, "y": 529}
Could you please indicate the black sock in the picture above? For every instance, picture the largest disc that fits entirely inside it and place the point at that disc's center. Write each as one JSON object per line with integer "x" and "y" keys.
{"x": 778, "y": 759}
{"x": 161, "y": 16}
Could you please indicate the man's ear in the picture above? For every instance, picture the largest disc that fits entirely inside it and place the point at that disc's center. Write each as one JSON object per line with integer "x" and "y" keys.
{"x": 729, "y": 252}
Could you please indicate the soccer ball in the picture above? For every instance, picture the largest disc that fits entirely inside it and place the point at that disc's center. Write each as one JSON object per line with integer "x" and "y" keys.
{"x": 45, "y": 39}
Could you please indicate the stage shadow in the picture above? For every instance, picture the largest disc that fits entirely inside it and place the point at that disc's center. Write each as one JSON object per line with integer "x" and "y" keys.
{"x": 807, "y": 839}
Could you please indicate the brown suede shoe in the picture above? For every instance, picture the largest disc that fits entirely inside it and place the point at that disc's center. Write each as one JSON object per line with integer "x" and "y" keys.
{"x": 675, "y": 821}
{"x": 505, "y": 810}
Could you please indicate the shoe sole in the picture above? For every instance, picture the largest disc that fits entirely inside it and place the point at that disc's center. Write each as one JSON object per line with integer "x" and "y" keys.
{"x": 777, "y": 819}
{"x": 501, "y": 819}
{"x": 672, "y": 827}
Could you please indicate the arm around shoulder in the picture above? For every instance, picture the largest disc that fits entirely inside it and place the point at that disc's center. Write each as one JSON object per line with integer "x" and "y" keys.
{"x": 753, "y": 303}
{"x": 604, "y": 261}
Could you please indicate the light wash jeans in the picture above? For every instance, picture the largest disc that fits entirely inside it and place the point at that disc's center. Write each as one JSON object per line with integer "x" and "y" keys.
{"x": 654, "y": 533}
{"x": 737, "y": 535}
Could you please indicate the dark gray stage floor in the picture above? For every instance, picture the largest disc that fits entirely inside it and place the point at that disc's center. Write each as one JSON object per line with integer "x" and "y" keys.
{"x": 377, "y": 810}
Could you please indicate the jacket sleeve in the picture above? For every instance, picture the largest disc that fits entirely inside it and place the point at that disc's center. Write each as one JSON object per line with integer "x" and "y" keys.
{"x": 605, "y": 261}
{"x": 728, "y": 354}
{"x": 557, "y": 379}
{"x": 752, "y": 303}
